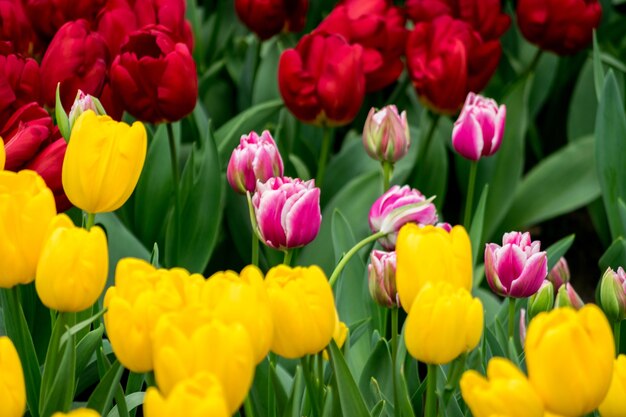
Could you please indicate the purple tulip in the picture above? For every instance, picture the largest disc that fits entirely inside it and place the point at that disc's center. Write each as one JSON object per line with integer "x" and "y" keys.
{"x": 478, "y": 130}
{"x": 517, "y": 268}
{"x": 287, "y": 212}
{"x": 381, "y": 274}
{"x": 256, "y": 158}
{"x": 395, "y": 208}
{"x": 386, "y": 134}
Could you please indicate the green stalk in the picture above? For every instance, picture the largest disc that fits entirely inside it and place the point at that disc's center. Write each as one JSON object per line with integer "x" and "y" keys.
{"x": 321, "y": 165}
{"x": 394, "y": 356}
{"x": 387, "y": 173}
{"x": 310, "y": 386}
{"x": 247, "y": 406}
{"x": 255, "y": 238}
{"x": 470, "y": 194}
{"x": 176, "y": 181}
{"x": 346, "y": 258}
{"x": 511, "y": 317}
{"x": 431, "y": 395}
{"x": 288, "y": 256}
{"x": 91, "y": 220}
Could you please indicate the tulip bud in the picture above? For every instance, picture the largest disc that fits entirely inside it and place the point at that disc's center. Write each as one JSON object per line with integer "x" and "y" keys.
{"x": 287, "y": 212}
{"x": 542, "y": 300}
{"x": 386, "y": 134}
{"x": 522, "y": 326}
{"x": 567, "y": 297}
{"x": 518, "y": 267}
{"x": 12, "y": 385}
{"x": 255, "y": 159}
{"x": 269, "y": 18}
{"x": 381, "y": 274}
{"x": 395, "y": 208}
{"x": 613, "y": 294}
{"x": 479, "y": 129}
{"x": 559, "y": 274}
{"x": 613, "y": 404}
{"x": 82, "y": 103}
{"x": 79, "y": 412}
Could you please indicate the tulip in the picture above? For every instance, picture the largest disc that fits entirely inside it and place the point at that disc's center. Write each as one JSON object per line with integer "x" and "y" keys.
{"x": 613, "y": 294}
{"x": 96, "y": 184}
{"x": 191, "y": 341}
{"x": 16, "y": 29}
{"x": 431, "y": 254}
{"x": 26, "y": 209}
{"x": 23, "y": 144}
{"x": 242, "y": 299}
{"x": 199, "y": 396}
{"x": 79, "y": 412}
{"x": 269, "y": 18}
{"x": 559, "y": 274}
{"x": 12, "y": 385}
{"x": 303, "y": 310}
{"x": 287, "y": 212}
{"x": 397, "y": 207}
{"x": 381, "y": 273}
{"x": 613, "y": 404}
{"x": 48, "y": 163}
{"x": 21, "y": 82}
{"x": 255, "y": 159}
{"x": 73, "y": 266}
{"x": 569, "y": 356}
{"x": 115, "y": 21}
{"x": 518, "y": 267}
{"x": 542, "y": 300}
{"x": 443, "y": 322}
{"x": 447, "y": 59}
{"x": 47, "y": 16}
{"x": 154, "y": 76}
{"x": 322, "y": 79}
{"x": 169, "y": 14}
{"x": 82, "y": 103}
{"x": 568, "y": 297}
{"x": 561, "y": 26}
{"x": 478, "y": 130}
{"x": 77, "y": 58}
{"x": 386, "y": 134}
{"x": 506, "y": 391}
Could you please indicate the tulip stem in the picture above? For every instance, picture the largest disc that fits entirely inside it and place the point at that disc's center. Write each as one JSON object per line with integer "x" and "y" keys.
{"x": 255, "y": 238}
{"x": 91, "y": 220}
{"x": 176, "y": 181}
{"x": 247, "y": 406}
{"x": 321, "y": 166}
{"x": 344, "y": 260}
{"x": 511, "y": 317}
{"x": 288, "y": 256}
{"x": 431, "y": 396}
{"x": 310, "y": 386}
{"x": 617, "y": 334}
{"x": 394, "y": 356}
{"x": 387, "y": 173}
{"x": 470, "y": 194}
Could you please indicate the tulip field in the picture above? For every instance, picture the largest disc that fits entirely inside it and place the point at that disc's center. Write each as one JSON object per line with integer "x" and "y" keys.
{"x": 287, "y": 208}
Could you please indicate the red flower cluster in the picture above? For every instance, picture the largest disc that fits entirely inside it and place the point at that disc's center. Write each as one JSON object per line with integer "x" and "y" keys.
{"x": 270, "y": 17}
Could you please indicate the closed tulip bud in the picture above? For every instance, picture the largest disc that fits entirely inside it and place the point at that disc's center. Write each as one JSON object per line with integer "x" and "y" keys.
{"x": 115, "y": 21}
{"x": 386, "y": 134}
{"x": 79, "y": 412}
{"x": 568, "y": 297}
{"x": 569, "y": 356}
{"x": 242, "y": 299}
{"x": 559, "y": 274}
{"x": 199, "y": 396}
{"x": 381, "y": 273}
{"x": 287, "y": 211}
{"x": 431, "y": 254}
{"x": 479, "y": 129}
{"x": 613, "y": 294}
{"x": 154, "y": 76}
{"x": 613, "y": 404}
{"x": 73, "y": 267}
{"x": 12, "y": 385}
{"x": 518, "y": 267}
{"x": 303, "y": 309}
{"x": 26, "y": 210}
{"x": 255, "y": 159}
{"x": 505, "y": 392}
{"x": 397, "y": 207}
{"x": 96, "y": 184}
{"x": 21, "y": 82}
{"x": 542, "y": 300}
{"x": 443, "y": 322}
{"x": 269, "y": 18}
{"x": 82, "y": 103}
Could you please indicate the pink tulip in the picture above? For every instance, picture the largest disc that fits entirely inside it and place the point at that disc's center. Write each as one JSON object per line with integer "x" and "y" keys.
{"x": 381, "y": 273}
{"x": 478, "y": 130}
{"x": 287, "y": 212}
{"x": 256, "y": 158}
{"x": 386, "y": 134}
{"x": 395, "y": 208}
{"x": 559, "y": 274}
{"x": 568, "y": 297}
{"x": 517, "y": 268}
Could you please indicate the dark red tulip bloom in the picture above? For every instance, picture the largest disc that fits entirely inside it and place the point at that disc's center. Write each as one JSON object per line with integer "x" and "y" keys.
{"x": 267, "y": 18}
{"x": 561, "y": 26}
{"x": 20, "y": 83}
{"x": 379, "y": 27}
{"x": 154, "y": 76}
{"x": 47, "y": 16}
{"x": 15, "y": 27}
{"x": 49, "y": 164}
{"x": 115, "y": 22}
{"x": 322, "y": 80}
{"x": 77, "y": 58}
{"x": 167, "y": 13}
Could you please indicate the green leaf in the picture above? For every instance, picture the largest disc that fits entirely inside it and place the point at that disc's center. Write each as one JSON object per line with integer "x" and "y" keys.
{"x": 86, "y": 348}
{"x": 133, "y": 401}
{"x": 102, "y": 397}
{"x": 62, "y": 120}
{"x": 582, "y": 107}
{"x": 491, "y": 304}
{"x": 59, "y": 394}
{"x": 350, "y": 398}
{"x": 558, "y": 249}
{"x": 378, "y": 367}
{"x": 615, "y": 255}
{"x": 72, "y": 331}
{"x": 598, "y": 71}
{"x": 294, "y": 404}
{"x": 265, "y": 80}
{"x": 476, "y": 228}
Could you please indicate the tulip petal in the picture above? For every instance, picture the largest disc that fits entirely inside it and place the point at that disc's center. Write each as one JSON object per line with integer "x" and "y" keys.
{"x": 304, "y": 219}
{"x": 510, "y": 261}
{"x": 467, "y": 138}
{"x": 532, "y": 276}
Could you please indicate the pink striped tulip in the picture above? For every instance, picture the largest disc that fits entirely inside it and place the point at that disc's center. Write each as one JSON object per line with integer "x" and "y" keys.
{"x": 381, "y": 273}
{"x": 386, "y": 134}
{"x": 518, "y": 267}
{"x": 256, "y": 158}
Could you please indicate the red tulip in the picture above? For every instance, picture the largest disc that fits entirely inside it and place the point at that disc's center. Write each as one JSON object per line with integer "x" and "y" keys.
{"x": 49, "y": 163}
{"x": 167, "y": 13}
{"x": 115, "y": 22}
{"x": 379, "y": 27}
{"x": 322, "y": 80}
{"x": 77, "y": 58}
{"x": 47, "y": 16}
{"x": 447, "y": 59}
{"x": 19, "y": 83}
{"x": 561, "y": 26}
{"x": 155, "y": 77}
{"x": 15, "y": 27}
{"x": 267, "y": 18}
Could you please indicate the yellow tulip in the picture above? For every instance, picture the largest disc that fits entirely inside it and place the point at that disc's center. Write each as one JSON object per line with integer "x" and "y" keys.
{"x": 201, "y": 396}
{"x": 103, "y": 162}
{"x": 242, "y": 299}
{"x": 3, "y": 155}
{"x": 73, "y": 267}
{"x": 303, "y": 308}
{"x": 26, "y": 209}
{"x": 79, "y": 412}
{"x": 569, "y": 356}
{"x": 505, "y": 392}
{"x": 430, "y": 254}
{"x": 339, "y": 335}
{"x": 141, "y": 295}
{"x": 614, "y": 404}
{"x": 444, "y": 322}
{"x": 12, "y": 386}
{"x": 192, "y": 341}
